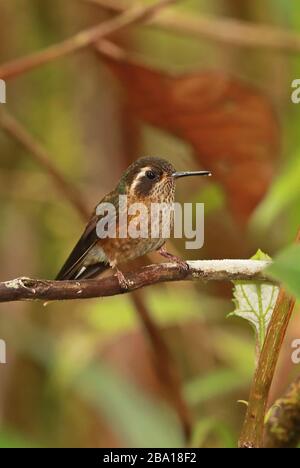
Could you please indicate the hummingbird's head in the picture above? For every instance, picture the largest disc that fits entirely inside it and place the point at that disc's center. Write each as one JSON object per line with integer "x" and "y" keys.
{"x": 152, "y": 178}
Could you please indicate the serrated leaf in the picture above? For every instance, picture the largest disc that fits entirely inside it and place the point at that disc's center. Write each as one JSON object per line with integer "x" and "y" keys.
{"x": 255, "y": 302}
{"x": 260, "y": 255}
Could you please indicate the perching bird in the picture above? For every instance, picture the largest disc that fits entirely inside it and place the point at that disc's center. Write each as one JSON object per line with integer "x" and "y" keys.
{"x": 148, "y": 180}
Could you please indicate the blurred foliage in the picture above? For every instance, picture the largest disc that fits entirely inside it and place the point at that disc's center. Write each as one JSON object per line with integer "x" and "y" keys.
{"x": 82, "y": 373}
{"x": 10, "y": 439}
{"x": 286, "y": 269}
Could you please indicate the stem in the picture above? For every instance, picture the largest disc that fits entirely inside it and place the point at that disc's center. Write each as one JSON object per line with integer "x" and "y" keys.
{"x": 82, "y": 39}
{"x": 165, "y": 366}
{"x": 253, "y": 428}
{"x": 221, "y": 30}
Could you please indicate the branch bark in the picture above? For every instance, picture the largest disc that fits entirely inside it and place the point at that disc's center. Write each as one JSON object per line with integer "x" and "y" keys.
{"x": 83, "y": 39}
{"x": 254, "y": 424}
{"x": 25, "y": 288}
{"x": 221, "y": 30}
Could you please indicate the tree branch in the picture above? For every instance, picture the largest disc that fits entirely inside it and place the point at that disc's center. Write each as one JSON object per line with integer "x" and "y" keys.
{"x": 253, "y": 428}
{"x": 283, "y": 427}
{"x": 221, "y": 30}
{"x": 25, "y": 288}
{"x": 137, "y": 14}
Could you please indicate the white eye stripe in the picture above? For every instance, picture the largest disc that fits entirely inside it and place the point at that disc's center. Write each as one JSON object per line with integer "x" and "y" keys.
{"x": 140, "y": 176}
{"x": 143, "y": 172}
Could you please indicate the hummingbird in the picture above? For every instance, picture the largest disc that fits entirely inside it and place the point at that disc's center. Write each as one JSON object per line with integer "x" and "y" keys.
{"x": 148, "y": 180}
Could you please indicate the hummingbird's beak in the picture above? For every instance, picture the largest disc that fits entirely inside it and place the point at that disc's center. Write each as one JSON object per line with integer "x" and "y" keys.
{"x": 176, "y": 175}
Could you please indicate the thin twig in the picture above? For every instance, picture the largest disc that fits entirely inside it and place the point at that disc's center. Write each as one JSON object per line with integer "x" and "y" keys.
{"x": 110, "y": 50}
{"x": 253, "y": 428}
{"x": 165, "y": 365}
{"x": 227, "y": 270}
{"x": 19, "y": 133}
{"x": 83, "y": 39}
{"x": 221, "y": 30}
{"x": 283, "y": 427}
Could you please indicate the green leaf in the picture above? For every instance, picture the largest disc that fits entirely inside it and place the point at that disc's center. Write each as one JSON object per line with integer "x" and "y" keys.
{"x": 11, "y": 439}
{"x": 207, "y": 427}
{"x": 260, "y": 255}
{"x": 282, "y": 194}
{"x": 255, "y": 302}
{"x": 137, "y": 418}
{"x": 286, "y": 269}
{"x": 213, "y": 385}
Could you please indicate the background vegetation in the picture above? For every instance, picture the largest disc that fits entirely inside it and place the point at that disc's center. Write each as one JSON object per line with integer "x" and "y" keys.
{"x": 90, "y": 373}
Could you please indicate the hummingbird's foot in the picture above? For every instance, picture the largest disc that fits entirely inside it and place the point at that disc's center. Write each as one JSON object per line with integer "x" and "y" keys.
{"x": 124, "y": 284}
{"x": 181, "y": 263}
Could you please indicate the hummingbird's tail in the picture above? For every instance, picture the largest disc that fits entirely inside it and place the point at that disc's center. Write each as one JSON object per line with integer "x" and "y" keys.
{"x": 85, "y": 272}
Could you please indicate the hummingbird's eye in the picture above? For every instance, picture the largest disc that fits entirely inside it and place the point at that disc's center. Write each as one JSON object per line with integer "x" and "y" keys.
{"x": 150, "y": 175}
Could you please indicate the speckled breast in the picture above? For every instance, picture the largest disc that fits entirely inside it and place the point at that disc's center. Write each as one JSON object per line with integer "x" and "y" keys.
{"x": 160, "y": 222}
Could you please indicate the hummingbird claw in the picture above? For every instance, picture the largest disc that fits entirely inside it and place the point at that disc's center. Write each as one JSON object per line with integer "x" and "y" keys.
{"x": 124, "y": 284}
{"x": 182, "y": 265}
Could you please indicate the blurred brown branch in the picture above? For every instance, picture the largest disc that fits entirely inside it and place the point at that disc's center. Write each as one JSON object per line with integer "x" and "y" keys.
{"x": 137, "y": 14}
{"x": 166, "y": 368}
{"x": 253, "y": 428}
{"x": 283, "y": 427}
{"x": 25, "y": 288}
{"x": 19, "y": 133}
{"x": 106, "y": 48}
{"x": 222, "y": 30}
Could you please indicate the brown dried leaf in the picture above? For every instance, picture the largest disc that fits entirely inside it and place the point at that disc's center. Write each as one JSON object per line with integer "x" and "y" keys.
{"x": 231, "y": 125}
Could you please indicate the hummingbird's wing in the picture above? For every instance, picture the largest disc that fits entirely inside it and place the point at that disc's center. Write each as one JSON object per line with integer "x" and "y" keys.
{"x": 74, "y": 264}
{"x": 88, "y": 259}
